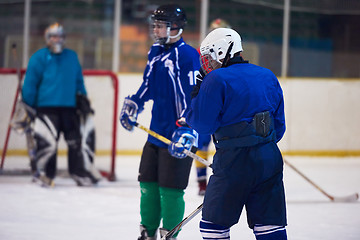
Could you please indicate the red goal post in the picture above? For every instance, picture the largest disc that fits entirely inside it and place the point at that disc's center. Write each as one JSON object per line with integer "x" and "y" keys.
{"x": 110, "y": 175}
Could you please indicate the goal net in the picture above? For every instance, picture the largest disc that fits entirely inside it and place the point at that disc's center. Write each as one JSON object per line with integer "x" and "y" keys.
{"x": 102, "y": 88}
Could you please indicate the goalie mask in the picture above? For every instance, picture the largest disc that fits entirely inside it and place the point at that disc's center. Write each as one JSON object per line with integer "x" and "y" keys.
{"x": 219, "y": 44}
{"x": 165, "y": 19}
{"x": 55, "y": 38}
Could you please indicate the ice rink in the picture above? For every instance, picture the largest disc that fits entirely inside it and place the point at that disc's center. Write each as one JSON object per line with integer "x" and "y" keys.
{"x": 111, "y": 209}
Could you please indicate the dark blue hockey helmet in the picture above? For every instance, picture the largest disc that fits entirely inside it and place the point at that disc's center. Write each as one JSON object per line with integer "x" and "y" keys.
{"x": 172, "y": 13}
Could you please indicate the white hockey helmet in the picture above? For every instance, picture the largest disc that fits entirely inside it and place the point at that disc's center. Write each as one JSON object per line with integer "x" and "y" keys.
{"x": 55, "y": 30}
{"x": 218, "y": 44}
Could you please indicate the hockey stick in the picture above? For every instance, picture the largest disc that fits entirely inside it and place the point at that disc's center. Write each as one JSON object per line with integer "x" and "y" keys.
{"x": 168, "y": 142}
{"x": 16, "y": 101}
{"x": 351, "y": 198}
{"x": 173, "y": 231}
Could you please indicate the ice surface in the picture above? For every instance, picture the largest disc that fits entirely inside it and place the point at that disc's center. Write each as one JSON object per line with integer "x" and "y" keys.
{"x": 111, "y": 209}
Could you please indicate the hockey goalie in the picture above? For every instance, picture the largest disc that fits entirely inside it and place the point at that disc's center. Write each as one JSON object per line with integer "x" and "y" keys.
{"x": 23, "y": 122}
{"x": 52, "y": 85}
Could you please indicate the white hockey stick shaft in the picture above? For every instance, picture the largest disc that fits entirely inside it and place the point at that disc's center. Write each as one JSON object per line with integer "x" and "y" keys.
{"x": 168, "y": 142}
{"x": 350, "y": 198}
{"x": 173, "y": 231}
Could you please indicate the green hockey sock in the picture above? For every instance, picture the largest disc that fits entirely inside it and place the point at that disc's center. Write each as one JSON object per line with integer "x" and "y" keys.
{"x": 150, "y": 206}
{"x": 172, "y": 207}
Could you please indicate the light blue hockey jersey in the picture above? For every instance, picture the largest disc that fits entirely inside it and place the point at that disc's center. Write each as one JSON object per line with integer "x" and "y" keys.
{"x": 52, "y": 80}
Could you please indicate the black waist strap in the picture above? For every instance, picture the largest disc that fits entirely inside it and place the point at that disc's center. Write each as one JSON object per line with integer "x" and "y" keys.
{"x": 244, "y": 134}
{"x": 247, "y": 141}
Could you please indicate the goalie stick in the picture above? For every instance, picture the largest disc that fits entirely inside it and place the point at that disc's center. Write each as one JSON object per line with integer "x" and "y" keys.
{"x": 168, "y": 142}
{"x": 30, "y": 141}
{"x": 350, "y": 198}
{"x": 29, "y": 138}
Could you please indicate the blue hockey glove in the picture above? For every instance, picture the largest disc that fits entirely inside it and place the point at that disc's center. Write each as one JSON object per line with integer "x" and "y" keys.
{"x": 129, "y": 114}
{"x": 182, "y": 138}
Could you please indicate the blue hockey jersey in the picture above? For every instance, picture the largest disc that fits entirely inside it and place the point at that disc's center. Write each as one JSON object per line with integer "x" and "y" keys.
{"x": 235, "y": 94}
{"x": 168, "y": 80}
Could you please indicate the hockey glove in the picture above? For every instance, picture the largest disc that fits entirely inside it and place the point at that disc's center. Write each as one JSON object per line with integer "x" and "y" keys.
{"x": 83, "y": 107}
{"x": 129, "y": 114}
{"x": 23, "y": 117}
{"x": 182, "y": 138}
{"x": 199, "y": 78}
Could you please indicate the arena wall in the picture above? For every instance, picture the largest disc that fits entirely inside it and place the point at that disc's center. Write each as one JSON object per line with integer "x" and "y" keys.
{"x": 321, "y": 115}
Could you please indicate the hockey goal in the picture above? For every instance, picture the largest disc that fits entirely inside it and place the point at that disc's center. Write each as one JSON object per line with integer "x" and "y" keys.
{"x": 102, "y": 87}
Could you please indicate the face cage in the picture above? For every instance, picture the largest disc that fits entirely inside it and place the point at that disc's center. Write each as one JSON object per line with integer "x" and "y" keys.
{"x": 160, "y": 24}
{"x": 208, "y": 63}
{"x": 56, "y": 47}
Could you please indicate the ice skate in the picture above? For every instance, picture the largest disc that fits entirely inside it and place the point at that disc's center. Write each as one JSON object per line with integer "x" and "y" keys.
{"x": 82, "y": 181}
{"x": 163, "y": 232}
{"x": 144, "y": 234}
{"x": 43, "y": 180}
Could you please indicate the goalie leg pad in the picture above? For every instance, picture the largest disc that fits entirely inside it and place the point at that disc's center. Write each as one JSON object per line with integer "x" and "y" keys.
{"x": 45, "y": 134}
{"x": 70, "y": 125}
{"x": 87, "y": 130}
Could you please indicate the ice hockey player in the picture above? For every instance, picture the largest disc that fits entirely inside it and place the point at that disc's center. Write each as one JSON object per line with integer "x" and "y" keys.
{"x": 168, "y": 81}
{"x": 242, "y": 105}
{"x": 204, "y": 140}
{"x": 53, "y": 80}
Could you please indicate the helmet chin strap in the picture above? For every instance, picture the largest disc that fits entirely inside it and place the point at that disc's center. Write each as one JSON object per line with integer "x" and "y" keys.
{"x": 227, "y": 55}
{"x": 177, "y": 35}
{"x": 172, "y": 37}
